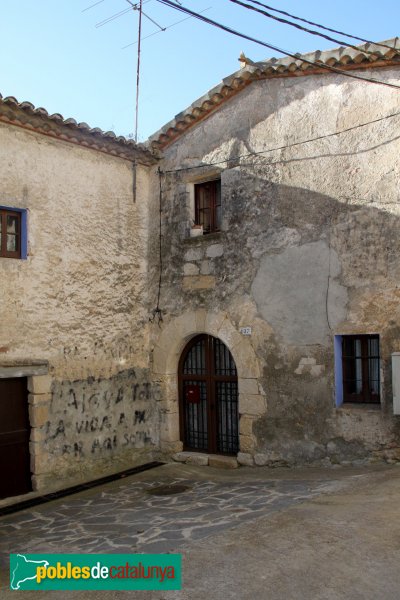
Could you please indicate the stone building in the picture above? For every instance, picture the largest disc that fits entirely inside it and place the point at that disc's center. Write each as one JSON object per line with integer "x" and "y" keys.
{"x": 296, "y": 269}
{"x": 74, "y": 324}
{"x": 229, "y": 288}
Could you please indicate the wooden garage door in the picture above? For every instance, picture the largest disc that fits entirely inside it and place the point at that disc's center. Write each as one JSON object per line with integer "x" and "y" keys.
{"x": 15, "y": 476}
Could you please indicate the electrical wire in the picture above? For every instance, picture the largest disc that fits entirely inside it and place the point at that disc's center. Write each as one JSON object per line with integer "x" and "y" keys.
{"x": 157, "y": 313}
{"x": 275, "y": 48}
{"x": 305, "y": 29}
{"x": 354, "y": 37}
{"x": 276, "y": 148}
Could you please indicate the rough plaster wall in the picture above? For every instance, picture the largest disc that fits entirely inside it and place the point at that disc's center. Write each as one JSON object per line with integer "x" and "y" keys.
{"x": 75, "y": 301}
{"x": 293, "y": 293}
{"x": 294, "y": 220}
{"x": 78, "y": 301}
{"x": 99, "y": 425}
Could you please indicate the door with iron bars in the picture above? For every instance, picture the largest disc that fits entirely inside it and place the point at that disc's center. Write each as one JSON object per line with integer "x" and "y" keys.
{"x": 15, "y": 475}
{"x": 208, "y": 392}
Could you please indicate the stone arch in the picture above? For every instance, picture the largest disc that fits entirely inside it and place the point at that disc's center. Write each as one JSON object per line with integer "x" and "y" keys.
{"x": 166, "y": 354}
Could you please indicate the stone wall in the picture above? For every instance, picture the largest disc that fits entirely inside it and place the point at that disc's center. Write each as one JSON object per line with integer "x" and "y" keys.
{"x": 93, "y": 426}
{"x": 78, "y": 306}
{"x": 308, "y": 249}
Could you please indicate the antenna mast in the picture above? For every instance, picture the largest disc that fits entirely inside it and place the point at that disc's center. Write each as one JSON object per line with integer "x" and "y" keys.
{"x": 138, "y": 70}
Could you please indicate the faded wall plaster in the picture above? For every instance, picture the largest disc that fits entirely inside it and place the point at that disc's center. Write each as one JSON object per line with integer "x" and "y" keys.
{"x": 309, "y": 234}
{"x": 78, "y": 303}
{"x": 296, "y": 291}
{"x": 78, "y": 299}
{"x": 96, "y": 424}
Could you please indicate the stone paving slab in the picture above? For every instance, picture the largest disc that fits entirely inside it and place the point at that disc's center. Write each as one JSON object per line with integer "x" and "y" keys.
{"x": 123, "y": 517}
{"x": 248, "y": 533}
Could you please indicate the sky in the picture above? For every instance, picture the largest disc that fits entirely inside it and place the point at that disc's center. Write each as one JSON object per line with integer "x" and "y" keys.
{"x": 54, "y": 53}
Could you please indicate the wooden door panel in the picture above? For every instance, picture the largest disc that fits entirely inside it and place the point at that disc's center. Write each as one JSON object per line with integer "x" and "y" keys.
{"x": 208, "y": 415}
{"x": 15, "y": 476}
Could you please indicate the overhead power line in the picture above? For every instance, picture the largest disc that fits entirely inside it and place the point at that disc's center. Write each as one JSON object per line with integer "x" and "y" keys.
{"x": 275, "y": 48}
{"x": 306, "y": 29}
{"x": 349, "y": 35}
{"x": 294, "y": 144}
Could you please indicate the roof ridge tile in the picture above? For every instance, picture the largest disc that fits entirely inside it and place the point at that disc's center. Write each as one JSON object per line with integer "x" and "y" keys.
{"x": 273, "y": 67}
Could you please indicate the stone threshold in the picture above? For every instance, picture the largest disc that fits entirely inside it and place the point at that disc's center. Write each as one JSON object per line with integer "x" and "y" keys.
{"x": 203, "y": 460}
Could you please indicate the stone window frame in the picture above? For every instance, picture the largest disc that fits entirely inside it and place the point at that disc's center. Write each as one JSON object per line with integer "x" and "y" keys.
{"x": 166, "y": 354}
{"x": 22, "y": 250}
{"x": 212, "y": 205}
{"x": 214, "y": 175}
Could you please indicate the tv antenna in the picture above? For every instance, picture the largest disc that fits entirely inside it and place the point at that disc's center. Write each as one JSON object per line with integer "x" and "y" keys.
{"x": 138, "y": 6}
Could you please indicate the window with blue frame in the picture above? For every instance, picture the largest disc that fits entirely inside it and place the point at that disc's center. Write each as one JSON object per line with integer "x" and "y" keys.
{"x": 360, "y": 359}
{"x": 13, "y": 232}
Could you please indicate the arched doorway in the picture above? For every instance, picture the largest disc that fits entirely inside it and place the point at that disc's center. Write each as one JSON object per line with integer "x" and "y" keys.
{"x": 208, "y": 397}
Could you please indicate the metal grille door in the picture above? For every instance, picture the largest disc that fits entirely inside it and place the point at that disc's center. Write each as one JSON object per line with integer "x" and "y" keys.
{"x": 208, "y": 397}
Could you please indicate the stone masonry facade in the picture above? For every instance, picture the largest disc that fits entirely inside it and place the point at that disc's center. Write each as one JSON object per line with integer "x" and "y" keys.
{"x": 306, "y": 254}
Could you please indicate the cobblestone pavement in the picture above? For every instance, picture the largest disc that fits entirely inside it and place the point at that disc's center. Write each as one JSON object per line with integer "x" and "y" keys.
{"x": 123, "y": 517}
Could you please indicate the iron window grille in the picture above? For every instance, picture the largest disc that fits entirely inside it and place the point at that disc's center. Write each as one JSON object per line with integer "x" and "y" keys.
{"x": 361, "y": 368}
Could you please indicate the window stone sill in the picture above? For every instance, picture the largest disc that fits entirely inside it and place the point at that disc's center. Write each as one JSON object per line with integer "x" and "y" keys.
{"x": 203, "y": 239}
{"x": 354, "y": 407}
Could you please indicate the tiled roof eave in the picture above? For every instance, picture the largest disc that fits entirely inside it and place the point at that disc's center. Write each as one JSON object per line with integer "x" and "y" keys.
{"x": 345, "y": 59}
{"x": 38, "y": 120}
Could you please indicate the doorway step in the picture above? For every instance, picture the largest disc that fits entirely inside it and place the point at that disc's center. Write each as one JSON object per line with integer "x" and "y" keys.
{"x": 204, "y": 460}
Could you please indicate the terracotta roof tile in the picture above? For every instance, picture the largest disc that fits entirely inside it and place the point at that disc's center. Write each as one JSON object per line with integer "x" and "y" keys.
{"x": 364, "y": 56}
{"x": 25, "y": 114}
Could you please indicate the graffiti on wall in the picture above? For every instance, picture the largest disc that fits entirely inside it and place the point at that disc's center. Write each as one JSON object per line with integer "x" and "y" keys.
{"x": 95, "y": 417}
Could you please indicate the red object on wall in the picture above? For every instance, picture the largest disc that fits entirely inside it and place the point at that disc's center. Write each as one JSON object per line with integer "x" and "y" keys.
{"x": 192, "y": 393}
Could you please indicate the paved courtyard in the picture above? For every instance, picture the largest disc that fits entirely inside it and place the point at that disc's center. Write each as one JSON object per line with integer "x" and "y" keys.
{"x": 224, "y": 523}
{"x": 125, "y": 517}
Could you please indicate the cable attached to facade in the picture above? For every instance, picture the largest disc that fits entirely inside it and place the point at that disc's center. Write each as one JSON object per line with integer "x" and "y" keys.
{"x": 268, "y": 150}
{"x": 157, "y": 313}
{"x": 328, "y": 284}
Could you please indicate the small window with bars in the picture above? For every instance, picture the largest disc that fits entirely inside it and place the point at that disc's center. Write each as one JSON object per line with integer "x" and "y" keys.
{"x": 361, "y": 366}
{"x": 10, "y": 233}
{"x": 207, "y": 199}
